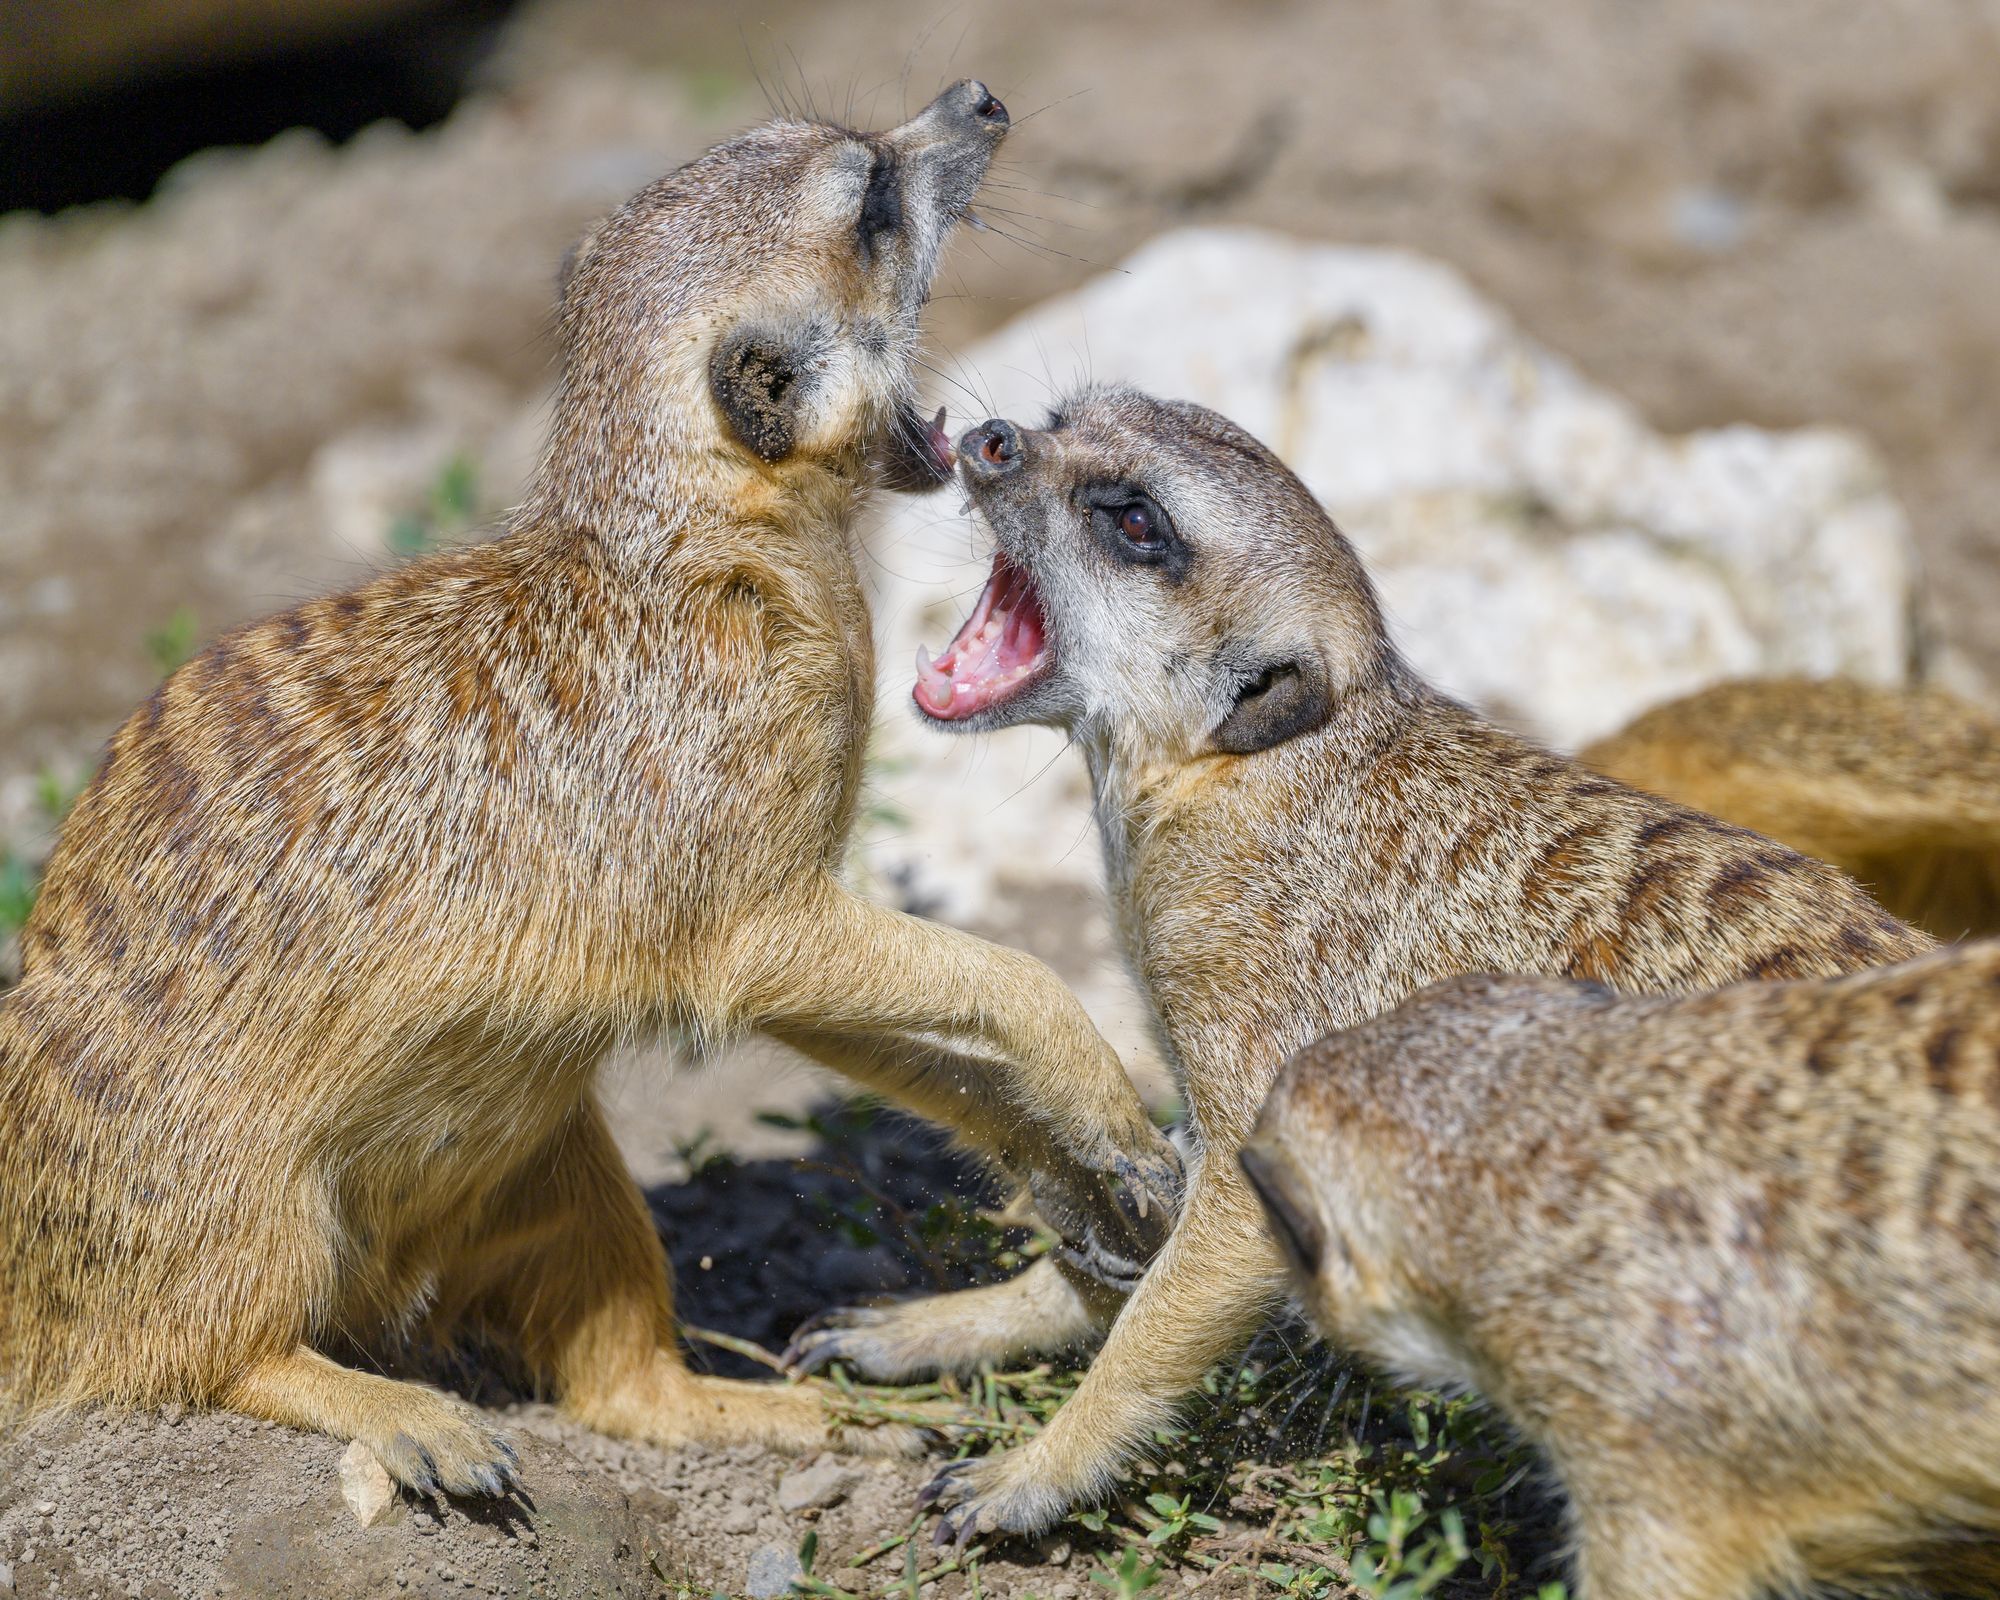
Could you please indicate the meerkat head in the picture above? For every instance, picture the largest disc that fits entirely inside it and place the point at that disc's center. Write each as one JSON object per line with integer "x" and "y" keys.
{"x": 756, "y": 312}
{"x": 1160, "y": 579}
{"x": 1353, "y": 1114}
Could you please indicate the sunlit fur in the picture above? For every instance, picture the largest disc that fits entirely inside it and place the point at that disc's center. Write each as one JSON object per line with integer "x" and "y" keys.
{"x": 327, "y": 954}
{"x": 1265, "y": 899}
{"x": 1899, "y": 786}
{"x": 1732, "y": 1260}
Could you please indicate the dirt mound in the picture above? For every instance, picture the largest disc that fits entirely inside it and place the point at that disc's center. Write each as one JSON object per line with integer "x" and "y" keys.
{"x": 216, "y": 1505}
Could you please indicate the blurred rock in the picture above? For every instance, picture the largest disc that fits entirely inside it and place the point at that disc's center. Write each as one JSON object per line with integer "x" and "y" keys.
{"x": 824, "y": 1483}
{"x": 55, "y": 51}
{"x": 1542, "y": 552}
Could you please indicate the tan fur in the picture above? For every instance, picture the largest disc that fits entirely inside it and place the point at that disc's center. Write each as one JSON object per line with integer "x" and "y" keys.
{"x": 1388, "y": 838}
{"x": 1732, "y": 1260}
{"x": 1900, "y": 787}
{"x": 324, "y": 962}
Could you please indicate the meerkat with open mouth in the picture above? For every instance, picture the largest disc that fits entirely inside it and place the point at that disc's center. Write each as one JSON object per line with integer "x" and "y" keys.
{"x": 1298, "y": 832}
{"x": 304, "y": 1046}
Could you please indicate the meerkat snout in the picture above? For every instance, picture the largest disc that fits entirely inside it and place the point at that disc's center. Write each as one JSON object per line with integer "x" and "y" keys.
{"x": 992, "y": 448}
{"x": 1157, "y": 571}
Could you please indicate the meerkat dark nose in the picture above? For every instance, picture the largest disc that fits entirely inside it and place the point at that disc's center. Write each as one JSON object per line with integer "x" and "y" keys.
{"x": 991, "y": 449}
{"x": 981, "y": 101}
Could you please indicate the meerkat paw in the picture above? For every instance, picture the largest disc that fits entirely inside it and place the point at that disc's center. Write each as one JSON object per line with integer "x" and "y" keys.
{"x": 1150, "y": 1182}
{"x": 905, "y": 1343}
{"x": 1113, "y": 1217}
{"x": 434, "y": 1443}
{"x": 883, "y": 1344}
{"x": 1004, "y": 1493}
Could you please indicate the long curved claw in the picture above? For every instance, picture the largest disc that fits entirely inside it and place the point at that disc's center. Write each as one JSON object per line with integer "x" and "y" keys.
{"x": 817, "y": 1343}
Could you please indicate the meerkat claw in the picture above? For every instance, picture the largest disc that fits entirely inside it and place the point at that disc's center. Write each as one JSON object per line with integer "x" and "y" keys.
{"x": 1102, "y": 1266}
{"x": 944, "y": 1483}
{"x": 825, "y": 1338}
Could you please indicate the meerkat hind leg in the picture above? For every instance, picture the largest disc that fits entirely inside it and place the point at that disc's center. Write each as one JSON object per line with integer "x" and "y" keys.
{"x": 425, "y": 1440}
{"x": 573, "y": 1271}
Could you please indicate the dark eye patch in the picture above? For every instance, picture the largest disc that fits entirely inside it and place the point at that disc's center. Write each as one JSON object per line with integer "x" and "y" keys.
{"x": 881, "y": 202}
{"x": 1134, "y": 528}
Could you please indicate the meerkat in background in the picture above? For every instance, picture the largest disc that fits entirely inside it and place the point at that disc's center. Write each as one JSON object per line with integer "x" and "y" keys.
{"x": 1900, "y": 787}
{"x": 1731, "y": 1260}
{"x": 325, "y": 958}
{"x": 1298, "y": 833}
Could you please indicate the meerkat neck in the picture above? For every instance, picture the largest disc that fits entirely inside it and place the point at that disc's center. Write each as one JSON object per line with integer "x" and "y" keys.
{"x": 645, "y": 493}
{"x": 1133, "y": 788}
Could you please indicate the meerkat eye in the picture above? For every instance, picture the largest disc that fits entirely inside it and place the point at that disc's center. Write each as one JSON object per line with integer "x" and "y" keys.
{"x": 1132, "y": 526}
{"x": 881, "y": 203}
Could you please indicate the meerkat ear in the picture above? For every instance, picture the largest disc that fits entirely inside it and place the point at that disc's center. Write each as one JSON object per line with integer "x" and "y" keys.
{"x": 1278, "y": 701}
{"x": 755, "y": 376}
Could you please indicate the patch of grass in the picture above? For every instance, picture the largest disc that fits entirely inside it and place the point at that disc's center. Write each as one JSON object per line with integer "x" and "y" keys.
{"x": 449, "y": 510}
{"x": 173, "y": 641}
{"x": 1301, "y": 1471}
{"x": 20, "y": 873}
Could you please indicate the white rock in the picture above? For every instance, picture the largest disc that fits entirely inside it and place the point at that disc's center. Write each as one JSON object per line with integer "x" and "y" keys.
{"x": 365, "y": 1484}
{"x": 824, "y": 1483}
{"x": 1542, "y": 552}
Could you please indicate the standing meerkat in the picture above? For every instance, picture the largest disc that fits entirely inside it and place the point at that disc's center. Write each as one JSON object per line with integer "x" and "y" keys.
{"x": 326, "y": 956}
{"x": 1900, "y": 787}
{"x": 1732, "y": 1260}
{"x": 1298, "y": 832}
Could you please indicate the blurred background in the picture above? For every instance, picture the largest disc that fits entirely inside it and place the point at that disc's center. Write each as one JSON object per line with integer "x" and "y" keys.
{"x": 275, "y": 278}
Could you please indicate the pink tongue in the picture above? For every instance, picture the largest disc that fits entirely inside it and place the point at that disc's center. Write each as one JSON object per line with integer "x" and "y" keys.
{"x": 998, "y": 649}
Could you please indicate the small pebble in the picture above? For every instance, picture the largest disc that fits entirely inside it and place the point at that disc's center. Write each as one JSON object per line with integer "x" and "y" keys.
{"x": 825, "y": 1483}
{"x": 773, "y": 1567}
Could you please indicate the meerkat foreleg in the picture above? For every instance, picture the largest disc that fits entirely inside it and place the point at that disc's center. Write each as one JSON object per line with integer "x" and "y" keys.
{"x": 1050, "y": 1309}
{"x": 1219, "y": 1276}
{"x": 425, "y": 1440}
{"x": 841, "y": 969}
{"x": 1053, "y": 1306}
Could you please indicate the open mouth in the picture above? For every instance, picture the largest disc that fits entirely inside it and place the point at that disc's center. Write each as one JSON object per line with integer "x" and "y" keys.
{"x": 917, "y": 455}
{"x": 1002, "y": 649}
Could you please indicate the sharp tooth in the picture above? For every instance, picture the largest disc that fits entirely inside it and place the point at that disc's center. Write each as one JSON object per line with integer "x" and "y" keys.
{"x": 939, "y": 687}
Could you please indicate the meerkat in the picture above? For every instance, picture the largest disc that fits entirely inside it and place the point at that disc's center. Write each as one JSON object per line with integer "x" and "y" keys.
{"x": 1732, "y": 1260}
{"x": 1298, "y": 832}
{"x": 1900, "y": 787}
{"x": 302, "y": 1053}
